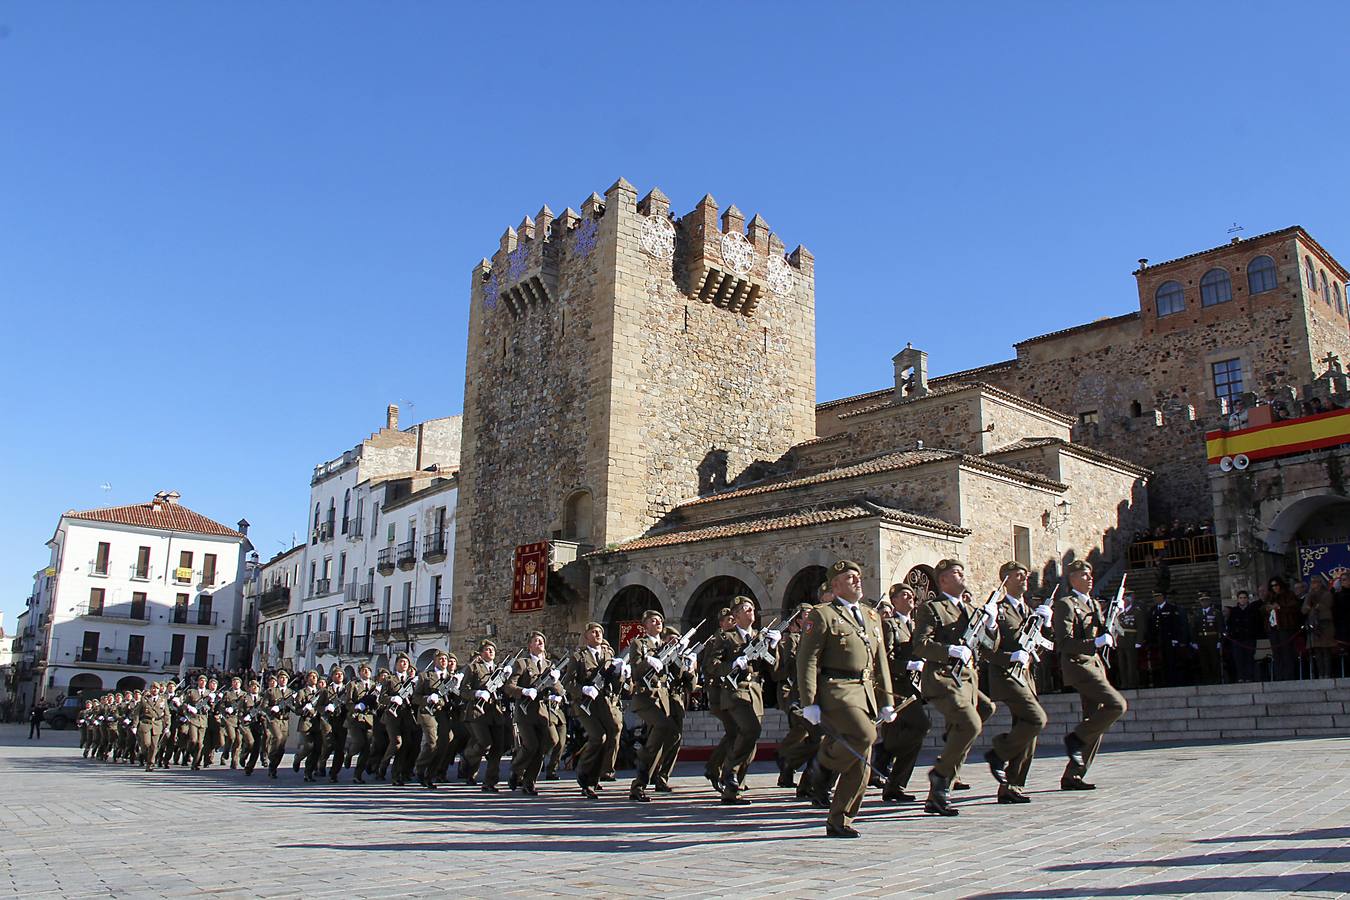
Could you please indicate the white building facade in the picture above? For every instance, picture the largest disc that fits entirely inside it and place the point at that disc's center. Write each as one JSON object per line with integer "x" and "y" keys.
{"x": 133, "y": 593}
{"x": 373, "y": 578}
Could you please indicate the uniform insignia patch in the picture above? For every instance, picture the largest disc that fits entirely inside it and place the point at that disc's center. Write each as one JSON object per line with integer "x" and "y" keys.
{"x": 808, "y": 626}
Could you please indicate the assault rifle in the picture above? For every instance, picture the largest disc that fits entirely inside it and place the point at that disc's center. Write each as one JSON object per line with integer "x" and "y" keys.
{"x": 1111, "y": 621}
{"x": 497, "y": 680}
{"x": 607, "y": 677}
{"x": 666, "y": 654}
{"x": 976, "y": 637}
{"x": 1032, "y": 641}
{"x": 758, "y": 650}
{"x": 552, "y": 678}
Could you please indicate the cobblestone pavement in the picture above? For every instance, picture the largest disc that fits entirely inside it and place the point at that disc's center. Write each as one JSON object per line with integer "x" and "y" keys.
{"x": 1206, "y": 821}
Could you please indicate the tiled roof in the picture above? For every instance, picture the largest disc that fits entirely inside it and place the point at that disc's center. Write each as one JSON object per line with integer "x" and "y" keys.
{"x": 1079, "y": 449}
{"x": 967, "y": 374}
{"x": 1086, "y": 326}
{"x": 1256, "y": 237}
{"x": 830, "y": 404}
{"x": 778, "y": 521}
{"x": 944, "y": 389}
{"x": 164, "y": 516}
{"x": 886, "y": 462}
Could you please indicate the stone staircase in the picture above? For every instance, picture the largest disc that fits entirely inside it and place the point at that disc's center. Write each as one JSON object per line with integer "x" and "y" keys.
{"x": 1187, "y": 582}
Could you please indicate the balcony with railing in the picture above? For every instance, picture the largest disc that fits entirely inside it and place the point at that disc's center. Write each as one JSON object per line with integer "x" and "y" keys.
{"x": 194, "y": 660}
{"x": 1173, "y": 551}
{"x": 432, "y": 617}
{"x": 323, "y": 587}
{"x": 435, "y": 547}
{"x": 275, "y": 598}
{"x": 407, "y": 555}
{"x": 131, "y": 613}
{"x": 141, "y": 573}
{"x": 355, "y": 529}
{"x": 182, "y": 615}
{"x": 384, "y": 561}
{"x": 357, "y": 645}
{"x": 360, "y": 593}
{"x": 93, "y": 656}
{"x": 324, "y": 531}
{"x": 325, "y": 642}
{"x": 394, "y": 621}
{"x": 98, "y": 568}
{"x": 183, "y": 575}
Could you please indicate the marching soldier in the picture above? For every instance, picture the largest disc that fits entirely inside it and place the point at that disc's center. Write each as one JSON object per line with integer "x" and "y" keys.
{"x": 211, "y": 735}
{"x": 485, "y": 715}
{"x": 1012, "y": 682}
{"x": 534, "y": 686}
{"x": 651, "y": 703}
{"x": 228, "y": 710}
{"x": 742, "y": 692}
{"x": 332, "y": 721}
{"x": 429, "y": 701}
{"x": 682, "y": 681}
{"x": 252, "y": 726}
{"x": 362, "y": 700}
{"x": 151, "y": 712}
{"x": 174, "y": 706}
{"x": 397, "y": 720}
{"x": 306, "y": 711}
{"x": 592, "y": 681}
{"x": 197, "y": 707}
{"x": 903, "y": 738}
{"x": 1080, "y": 633}
{"x": 712, "y": 693}
{"x": 457, "y": 736}
{"x": 844, "y": 683}
{"x": 86, "y": 724}
{"x": 802, "y": 740}
{"x": 277, "y": 703}
{"x": 950, "y": 678}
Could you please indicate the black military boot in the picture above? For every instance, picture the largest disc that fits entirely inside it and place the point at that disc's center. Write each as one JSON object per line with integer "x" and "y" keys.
{"x": 1073, "y": 748}
{"x": 638, "y": 792}
{"x": 785, "y": 779}
{"x": 822, "y": 782}
{"x": 731, "y": 788}
{"x": 937, "y": 803}
{"x": 997, "y": 767}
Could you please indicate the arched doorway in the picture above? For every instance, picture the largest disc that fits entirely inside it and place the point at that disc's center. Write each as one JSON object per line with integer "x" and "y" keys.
{"x": 425, "y": 659}
{"x": 381, "y": 662}
{"x": 804, "y": 588}
{"x": 711, "y": 596}
{"x": 131, "y": 683}
{"x": 350, "y": 673}
{"x": 924, "y": 581}
{"x": 625, "y": 609}
{"x": 83, "y": 682}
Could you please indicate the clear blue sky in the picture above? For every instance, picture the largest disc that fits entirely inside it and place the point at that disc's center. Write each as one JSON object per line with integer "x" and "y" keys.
{"x": 230, "y": 233}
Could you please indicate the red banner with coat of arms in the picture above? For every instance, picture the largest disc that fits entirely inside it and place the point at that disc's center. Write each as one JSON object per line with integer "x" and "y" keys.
{"x": 531, "y": 577}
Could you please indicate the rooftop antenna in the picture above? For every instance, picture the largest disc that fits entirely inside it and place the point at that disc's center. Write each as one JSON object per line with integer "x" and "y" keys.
{"x": 1235, "y": 231}
{"x": 105, "y": 487}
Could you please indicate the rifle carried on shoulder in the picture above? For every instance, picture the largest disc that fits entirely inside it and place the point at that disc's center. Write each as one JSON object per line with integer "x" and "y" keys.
{"x": 1032, "y": 641}
{"x": 758, "y": 650}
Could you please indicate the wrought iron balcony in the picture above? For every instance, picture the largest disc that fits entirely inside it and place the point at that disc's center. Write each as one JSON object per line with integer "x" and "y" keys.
{"x": 132, "y": 613}
{"x": 432, "y": 617}
{"x": 119, "y": 657}
{"x": 184, "y": 616}
{"x": 323, "y": 587}
{"x": 385, "y": 560}
{"x": 435, "y": 547}
{"x": 407, "y": 555}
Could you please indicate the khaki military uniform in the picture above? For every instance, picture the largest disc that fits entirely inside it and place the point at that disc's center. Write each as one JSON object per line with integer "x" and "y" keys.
{"x": 252, "y": 727}
{"x": 1078, "y": 622}
{"x": 151, "y": 713}
{"x": 228, "y": 709}
{"x": 939, "y": 624}
{"x": 197, "y": 707}
{"x": 363, "y": 698}
{"x": 277, "y": 703}
{"x": 429, "y": 700}
{"x": 652, "y": 705}
{"x": 536, "y": 718}
{"x": 1017, "y": 746}
{"x": 600, "y": 717}
{"x": 712, "y": 693}
{"x": 841, "y": 667}
{"x": 489, "y": 729}
{"x": 903, "y": 739}
{"x": 398, "y": 722}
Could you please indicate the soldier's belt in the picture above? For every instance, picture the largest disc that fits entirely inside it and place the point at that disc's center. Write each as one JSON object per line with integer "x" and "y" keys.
{"x": 842, "y": 674}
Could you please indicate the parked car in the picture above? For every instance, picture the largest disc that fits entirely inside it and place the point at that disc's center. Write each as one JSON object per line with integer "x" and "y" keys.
{"x": 58, "y": 717}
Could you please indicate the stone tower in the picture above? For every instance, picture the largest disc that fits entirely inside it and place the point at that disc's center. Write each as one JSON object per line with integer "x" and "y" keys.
{"x": 620, "y": 360}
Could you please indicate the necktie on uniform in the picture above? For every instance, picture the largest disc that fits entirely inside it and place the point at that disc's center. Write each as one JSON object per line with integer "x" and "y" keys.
{"x": 857, "y": 615}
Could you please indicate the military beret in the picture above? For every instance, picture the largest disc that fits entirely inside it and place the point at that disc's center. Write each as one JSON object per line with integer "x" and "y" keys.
{"x": 899, "y": 588}
{"x": 403, "y": 656}
{"x": 670, "y": 631}
{"x": 647, "y": 614}
{"x": 363, "y": 665}
{"x": 884, "y": 602}
{"x": 1010, "y": 567}
{"x": 590, "y": 625}
{"x": 1079, "y": 565}
{"x": 536, "y": 634}
{"x": 803, "y": 609}
{"x": 440, "y": 653}
{"x": 485, "y": 643}
{"x": 724, "y": 612}
{"x": 450, "y": 655}
{"x": 843, "y": 566}
{"x": 946, "y": 565}
{"x": 741, "y": 600}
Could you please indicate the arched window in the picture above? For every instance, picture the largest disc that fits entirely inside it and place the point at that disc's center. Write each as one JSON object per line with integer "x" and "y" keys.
{"x": 318, "y": 519}
{"x": 1336, "y": 295}
{"x": 1215, "y": 287}
{"x": 1312, "y": 273}
{"x": 1261, "y": 275}
{"x": 577, "y": 518}
{"x": 346, "y": 509}
{"x": 1170, "y": 298}
{"x": 1326, "y": 291}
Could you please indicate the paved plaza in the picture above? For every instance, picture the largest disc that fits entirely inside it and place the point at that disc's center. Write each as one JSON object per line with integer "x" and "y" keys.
{"x": 1209, "y": 821}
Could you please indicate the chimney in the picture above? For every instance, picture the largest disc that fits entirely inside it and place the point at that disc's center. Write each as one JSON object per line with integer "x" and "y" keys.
{"x": 911, "y": 373}
{"x": 391, "y": 417}
{"x": 172, "y": 498}
{"x": 161, "y": 497}
{"x": 242, "y": 528}
{"x": 1143, "y": 263}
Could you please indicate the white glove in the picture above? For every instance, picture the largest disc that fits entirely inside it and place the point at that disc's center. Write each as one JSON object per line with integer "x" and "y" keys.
{"x": 1138, "y": 646}
{"x": 276, "y": 709}
{"x": 590, "y": 691}
{"x": 529, "y": 693}
{"x": 126, "y": 721}
{"x": 773, "y": 636}
{"x": 960, "y": 651}
{"x": 554, "y": 674}
{"x": 1105, "y": 640}
{"x": 482, "y": 695}
{"x": 396, "y": 700}
{"x": 1020, "y": 656}
{"x": 229, "y": 710}
{"x": 1046, "y": 612}
{"x": 914, "y": 665}
{"x": 192, "y": 709}
{"x": 360, "y": 707}
{"x": 308, "y": 707}
{"x": 739, "y": 663}
{"x": 617, "y": 664}
{"x": 330, "y": 708}
{"x": 554, "y": 698}
{"x": 627, "y": 671}
{"x": 888, "y": 714}
{"x": 433, "y": 698}
{"x": 689, "y": 661}
{"x": 990, "y": 611}
{"x": 811, "y": 714}
{"x": 655, "y": 663}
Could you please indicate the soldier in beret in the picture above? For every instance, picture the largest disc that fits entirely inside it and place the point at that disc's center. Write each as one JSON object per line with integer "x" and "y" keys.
{"x": 950, "y": 676}
{"x": 1012, "y": 682}
{"x": 802, "y": 740}
{"x": 845, "y": 686}
{"x": 397, "y": 719}
{"x": 903, "y": 739}
{"x": 537, "y": 694}
{"x": 485, "y": 715}
{"x": 742, "y": 693}
{"x": 363, "y": 699}
{"x": 592, "y": 682}
{"x": 712, "y": 693}
{"x": 1080, "y": 637}
{"x": 651, "y": 702}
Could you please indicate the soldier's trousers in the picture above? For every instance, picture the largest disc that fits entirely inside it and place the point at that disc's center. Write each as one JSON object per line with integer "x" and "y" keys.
{"x": 435, "y": 735}
{"x": 398, "y": 731}
{"x": 903, "y": 739}
{"x": 800, "y": 743}
{"x": 963, "y": 713}
{"x": 673, "y": 754}
{"x": 250, "y": 744}
{"x": 489, "y": 734}
{"x": 196, "y": 742}
{"x": 148, "y": 735}
{"x": 1211, "y": 668}
{"x": 456, "y": 740}
{"x": 1017, "y": 746}
{"x": 230, "y": 740}
{"x": 846, "y": 728}
{"x": 538, "y": 737}
{"x": 602, "y": 739}
{"x": 358, "y": 746}
{"x": 719, "y": 753}
{"x": 334, "y": 734}
{"x": 278, "y": 730}
{"x": 553, "y": 760}
{"x": 1102, "y": 705}
{"x": 660, "y": 739}
{"x": 746, "y": 728}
